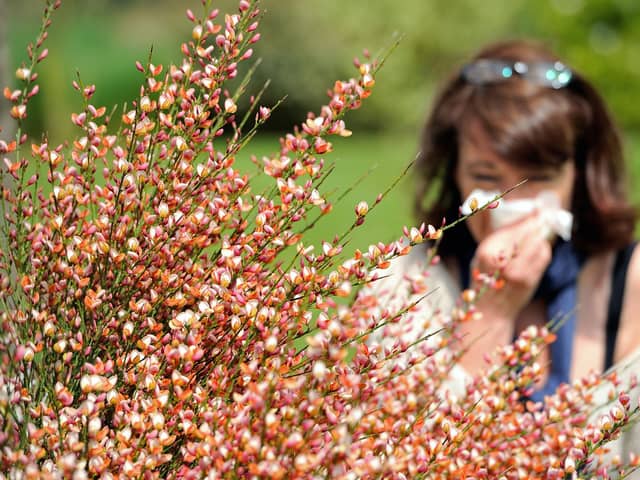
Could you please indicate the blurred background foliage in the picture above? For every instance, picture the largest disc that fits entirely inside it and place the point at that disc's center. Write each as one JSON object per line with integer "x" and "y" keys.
{"x": 306, "y": 45}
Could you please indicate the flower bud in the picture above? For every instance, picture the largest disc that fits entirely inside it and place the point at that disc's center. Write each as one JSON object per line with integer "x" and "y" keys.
{"x": 569, "y": 465}
{"x": 319, "y": 370}
{"x": 163, "y": 210}
{"x": 27, "y": 353}
{"x": 157, "y": 420}
{"x": 362, "y": 208}
{"x": 18, "y": 111}
{"x": 415, "y": 236}
{"x": 230, "y": 106}
{"x": 23, "y": 73}
{"x": 145, "y": 104}
{"x": 271, "y": 344}
{"x": 196, "y": 33}
{"x": 164, "y": 101}
{"x": 469, "y": 295}
{"x": 49, "y": 328}
{"x": 127, "y": 329}
{"x": 94, "y": 426}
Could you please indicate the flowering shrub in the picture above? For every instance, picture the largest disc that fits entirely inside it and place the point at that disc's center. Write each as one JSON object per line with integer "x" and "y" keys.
{"x": 155, "y": 325}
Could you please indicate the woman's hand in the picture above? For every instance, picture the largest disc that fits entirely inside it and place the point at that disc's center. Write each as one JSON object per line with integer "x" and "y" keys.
{"x": 519, "y": 253}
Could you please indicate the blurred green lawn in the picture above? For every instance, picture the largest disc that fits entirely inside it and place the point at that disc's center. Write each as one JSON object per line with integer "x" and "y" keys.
{"x": 368, "y": 165}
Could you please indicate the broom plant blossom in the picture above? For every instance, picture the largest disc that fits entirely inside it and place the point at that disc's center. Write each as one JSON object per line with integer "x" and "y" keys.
{"x": 163, "y": 318}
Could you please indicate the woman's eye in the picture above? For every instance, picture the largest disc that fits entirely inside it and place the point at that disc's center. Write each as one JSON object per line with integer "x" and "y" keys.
{"x": 486, "y": 178}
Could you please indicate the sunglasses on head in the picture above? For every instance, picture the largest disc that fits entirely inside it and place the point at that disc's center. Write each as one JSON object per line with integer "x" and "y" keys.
{"x": 548, "y": 74}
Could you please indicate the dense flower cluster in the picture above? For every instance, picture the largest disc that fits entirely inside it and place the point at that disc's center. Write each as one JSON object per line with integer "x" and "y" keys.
{"x": 162, "y": 320}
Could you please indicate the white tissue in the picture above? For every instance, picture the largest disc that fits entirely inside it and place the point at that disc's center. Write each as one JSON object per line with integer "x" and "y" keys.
{"x": 558, "y": 220}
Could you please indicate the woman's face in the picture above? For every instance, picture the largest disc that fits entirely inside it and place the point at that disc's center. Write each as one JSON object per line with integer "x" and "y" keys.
{"x": 479, "y": 167}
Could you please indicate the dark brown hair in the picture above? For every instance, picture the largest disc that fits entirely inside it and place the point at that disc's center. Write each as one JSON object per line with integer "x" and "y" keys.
{"x": 528, "y": 124}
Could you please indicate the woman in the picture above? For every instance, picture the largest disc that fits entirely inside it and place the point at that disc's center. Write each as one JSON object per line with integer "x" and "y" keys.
{"x": 515, "y": 113}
